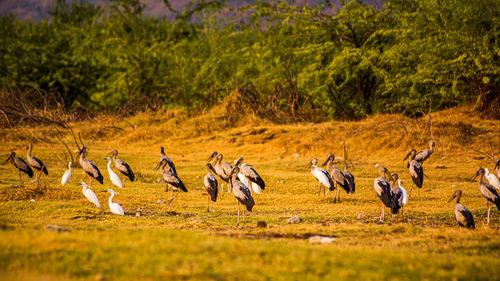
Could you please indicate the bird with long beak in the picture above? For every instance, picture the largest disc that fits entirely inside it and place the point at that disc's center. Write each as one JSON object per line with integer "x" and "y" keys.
{"x": 416, "y": 170}
{"x": 240, "y": 192}
{"x": 383, "y": 189}
{"x": 36, "y": 164}
{"x": 488, "y": 192}
{"x": 249, "y": 176}
{"x": 323, "y": 177}
{"x": 122, "y": 167}
{"x": 171, "y": 179}
{"x": 337, "y": 176}
{"x": 424, "y": 154}
{"x": 211, "y": 186}
{"x": 463, "y": 216}
{"x": 20, "y": 164}
{"x": 88, "y": 166}
{"x": 222, "y": 169}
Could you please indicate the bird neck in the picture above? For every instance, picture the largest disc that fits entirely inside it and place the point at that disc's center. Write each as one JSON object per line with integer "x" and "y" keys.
{"x": 480, "y": 179}
{"x": 29, "y": 150}
{"x": 109, "y": 164}
{"x": 110, "y": 200}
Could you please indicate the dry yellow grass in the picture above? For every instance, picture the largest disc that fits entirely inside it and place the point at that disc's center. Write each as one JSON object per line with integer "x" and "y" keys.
{"x": 183, "y": 241}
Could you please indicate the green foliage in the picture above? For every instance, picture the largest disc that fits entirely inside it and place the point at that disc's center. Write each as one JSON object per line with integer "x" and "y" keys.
{"x": 405, "y": 58}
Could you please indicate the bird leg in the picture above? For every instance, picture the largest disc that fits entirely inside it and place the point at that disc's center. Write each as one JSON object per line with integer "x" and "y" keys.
{"x": 19, "y": 178}
{"x": 382, "y": 215}
{"x": 338, "y": 194}
{"x": 208, "y": 203}
{"x": 488, "y": 218}
{"x": 90, "y": 182}
{"x": 319, "y": 192}
{"x": 249, "y": 187}
{"x": 238, "y": 223}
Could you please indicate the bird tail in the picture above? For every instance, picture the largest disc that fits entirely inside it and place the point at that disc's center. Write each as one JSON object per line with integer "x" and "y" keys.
{"x": 497, "y": 203}
{"x": 249, "y": 204}
{"x": 100, "y": 179}
{"x": 131, "y": 176}
{"x": 44, "y": 170}
{"x": 260, "y": 182}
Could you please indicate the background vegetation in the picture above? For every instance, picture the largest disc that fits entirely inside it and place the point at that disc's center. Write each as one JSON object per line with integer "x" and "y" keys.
{"x": 277, "y": 59}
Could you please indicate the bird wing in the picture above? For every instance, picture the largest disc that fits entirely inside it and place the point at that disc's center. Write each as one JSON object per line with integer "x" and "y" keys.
{"x": 173, "y": 180}
{"x": 37, "y": 164}
{"x": 396, "y": 200}
{"x": 220, "y": 172}
{"x": 211, "y": 186}
{"x": 92, "y": 170}
{"x": 323, "y": 177}
{"x": 383, "y": 190}
{"x": 116, "y": 209}
{"x": 170, "y": 163}
{"x": 405, "y": 195}
{"x": 242, "y": 194}
{"x": 92, "y": 197}
{"x": 66, "y": 177}
{"x": 125, "y": 169}
{"x": 114, "y": 178}
{"x": 339, "y": 178}
{"x": 422, "y": 155}
{"x": 23, "y": 166}
{"x": 350, "y": 181}
{"x": 226, "y": 167}
{"x": 493, "y": 180}
{"x": 489, "y": 192}
{"x": 416, "y": 173}
{"x": 254, "y": 177}
{"x": 463, "y": 216}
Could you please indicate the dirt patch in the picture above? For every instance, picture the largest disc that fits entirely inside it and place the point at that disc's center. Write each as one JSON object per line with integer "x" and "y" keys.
{"x": 15, "y": 193}
{"x": 269, "y": 235}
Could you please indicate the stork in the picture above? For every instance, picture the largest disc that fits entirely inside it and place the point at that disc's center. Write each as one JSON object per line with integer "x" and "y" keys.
{"x": 170, "y": 178}
{"x": 36, "y": 163}
{"x": 250, "y": 177}
{"x": 324, "y": 178}
{"x": 399, "y": 196}
{"x": 240, "y": 192}
{"x": 488, "y": 192}
{"x": 122, "y": 167}
{"x": 336, "y": 175}
{"x": 383, "y": 189}
{"x": 463, "y": 216}
{"x": 20, "y": 164}
{"x": 350, "y": 178}
{"x": 416, "y": 170}
{"x": 222, "y": 169}
{"x": 211, "y": 186}
{"x": 89, "y": 167}
{"x": 167, "y": 159}
{"x": 424, "y": 154}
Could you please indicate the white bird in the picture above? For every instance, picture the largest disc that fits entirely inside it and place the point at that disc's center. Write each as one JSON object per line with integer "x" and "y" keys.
{"x": 405, "y": 193}
{"x": 492, "y": 179}
{"x": 90, "y": 194}
{"x": 321, "y": 175}
{"x": 115, "y": 179}
{"x": 115, "y": 208}
{"x": 67, "y": 175}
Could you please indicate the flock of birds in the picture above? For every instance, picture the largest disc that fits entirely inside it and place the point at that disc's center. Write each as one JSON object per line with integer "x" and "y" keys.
{"x": 243, "y": 180}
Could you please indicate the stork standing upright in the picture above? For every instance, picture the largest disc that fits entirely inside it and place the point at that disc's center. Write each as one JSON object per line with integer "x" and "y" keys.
{"x": 89, "y": 167}
{"x": 170, "y": 178}
{"x": 323, "y": 177}
{"x": 350, "y": 178}
{"x": 424, "y": 154}
{"x": 211, "y": 186}
{"x": 488, "y": 192}
{"x": 240, "y": 192}
{"x": 36, "y": 163}
{"x": 122, "y": 167}
{"x": 416, "y": 170}
{"x": 250, "y": 177}
{"x": 166, "y": 159}
{"x": 20, "y": 164}
{"x": 463, "y": 216}
{"x": 222, "y": 169}
{"x": 336, "y": 175}
{"x": 383, "y": 188}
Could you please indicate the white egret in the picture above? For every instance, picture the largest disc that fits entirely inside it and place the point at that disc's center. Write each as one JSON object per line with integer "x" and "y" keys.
{"x": 115, "y": 208}
{"x": 115, "y": 179}
{"x": 90, "y": 195}
{"x": 67, "y": 175}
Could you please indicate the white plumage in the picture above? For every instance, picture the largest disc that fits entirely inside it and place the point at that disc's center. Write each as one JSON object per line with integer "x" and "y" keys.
{"x": 115, "y": 179}
{"x": 67, "y": 175}
{"x": 115, "y": 208}
{"x": 492, "y": 179}
{"x": 405, "y": 193}
{"x": 322, "y": 176}
{"x": 90, "y": 195}
{"x": 255, "y": 187}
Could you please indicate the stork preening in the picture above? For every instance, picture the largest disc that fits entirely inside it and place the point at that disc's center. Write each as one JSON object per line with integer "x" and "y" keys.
{"x": 416, "y": 170}
{"x": 211, "y": 186}
{"x": 240, "y": 192}
{"x": 222, "y": 169}
{"x": 337, "y": 176}
{"x": 67, "y": 175}
{"x": 488, "y": 192}
{"x": 492, "y": 179}
{"x": 349, "y": 177}
{"x": 424, "y": 154}
{"x": 383, "y": 189}
{"x": 114, "y": 207}
{"x": 89, "y": 167}
{"x": 463, "y": 216}
{"x": 115, "y": 179}
{"x": 90, "y": 195}
{"x": 170, "y": 177}
{"x": 20, "y": 164}
{"x": 250, "y": 177}
{"x": 324, "y": 178}
{"x": 122, "y": 167}
{"x": 36, "y": 164}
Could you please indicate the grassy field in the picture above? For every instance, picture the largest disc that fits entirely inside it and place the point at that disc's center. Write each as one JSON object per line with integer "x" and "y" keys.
{"x": 184, "y": 242}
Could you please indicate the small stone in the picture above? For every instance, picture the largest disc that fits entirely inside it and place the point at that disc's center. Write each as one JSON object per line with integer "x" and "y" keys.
{"x": 32, "y": 200}
{"x": 282, "y": 181}
{"x": 294, "y": 219}
{"x": 296, "y": 155}
{"x": 360, "y": 216}
{"x": 160, "y": 201}
{"x": 262, "y": 224}
{"x": 321, "y": 239}
{"x": 56, "y": 228}
{"x": 99, "y": 277}
{"x": 138, "y": 214}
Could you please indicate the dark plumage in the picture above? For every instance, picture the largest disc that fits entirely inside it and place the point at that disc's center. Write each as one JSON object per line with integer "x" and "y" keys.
{"x": 169, "y": 177}
{"x": 250, "y": 173}
{"x": 383, "y": 189}
{"x": 335, "y": 173}
{"x": 488, "y": 192}
{"x": 121, "y": 166}
{"x": 20, "y": 164}
{"x": 396, "y": 199}
{"x": 35, "y": 162}
{"x": 89, "y": 167}
{"x": 169, "y": 161}
{"x": 211, "y": 185}
{"x": 463, "y": 216}
{"x": 416, "y": 170}
{"x": 240, "y": 192}
{"x": 350, "y": 178}
{"x": 424, "y": 154}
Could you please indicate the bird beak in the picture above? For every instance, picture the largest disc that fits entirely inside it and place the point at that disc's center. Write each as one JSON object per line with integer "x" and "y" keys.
{"x": 212, "y": 156}
{"x": 475, "y": 176}
{"x": 325, "y": 162}
{"x": 6, "y": 161}
{"x": 407, "y": 155}
{"x": 451, "y": 198}
{"x": 103, "y": 191}
{"x": 157, "y": 166}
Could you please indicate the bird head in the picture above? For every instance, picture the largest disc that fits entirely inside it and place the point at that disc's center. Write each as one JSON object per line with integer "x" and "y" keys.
{"x": 410, "y": 154}
{"x": 313, "y": 162}
{"x": 114, "y": 153}
{"x": 479, "y": 173}
{"x": 394, "y": 177}
{"x": 238, "y": 161}
{"x": 29, "y": 146}
{"x": 11, "y": 156}
{"x": 432, "y": 143}
{"x": 330, "y": 157}
{"x": 209, "y": 167}
{"x": 497, "y": 165}
{"x": 82, "y": 183}
{"x": 456, "y": 194}
{"x": 163, "y": 162}
{"x": 212, "y": 156}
